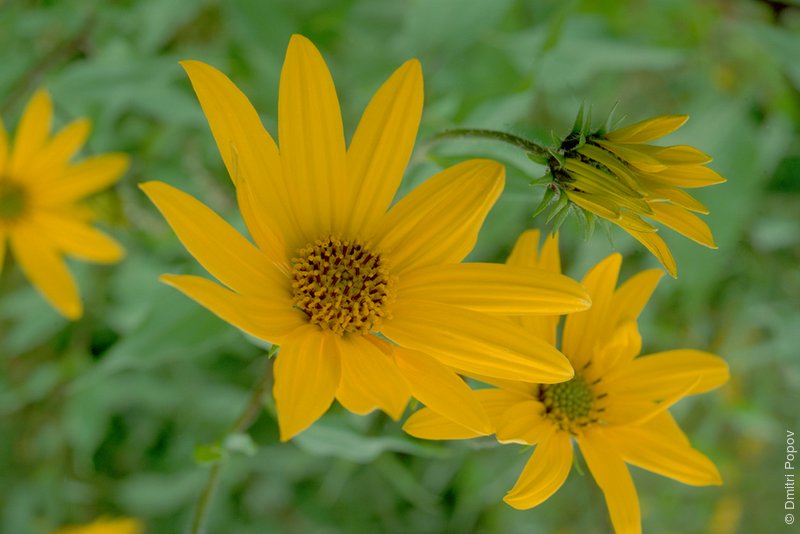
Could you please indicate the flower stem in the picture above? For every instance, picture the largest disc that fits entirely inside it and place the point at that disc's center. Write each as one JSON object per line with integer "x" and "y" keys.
{"x": 520, "y": 142}
{"x": 241, "y": 424}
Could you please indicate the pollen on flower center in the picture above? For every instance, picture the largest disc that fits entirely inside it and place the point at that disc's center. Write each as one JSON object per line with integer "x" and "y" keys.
{"x": 569, "y": 404}
{"x": 341, "y": 285}
{"x": 13, "y": 200}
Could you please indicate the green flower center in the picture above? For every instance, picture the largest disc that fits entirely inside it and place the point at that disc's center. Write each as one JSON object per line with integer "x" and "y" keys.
{"x": 13, "y": 200}
{"x": 341, "y": 285}
{"x": 569, "y": 404}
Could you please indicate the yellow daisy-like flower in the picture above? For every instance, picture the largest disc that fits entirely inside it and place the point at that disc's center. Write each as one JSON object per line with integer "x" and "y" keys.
{"x": 332, "y": 268}
{"x": 621, "y": 178}
{"x": 41, "y": 214}
{"x": 105, "y": 526}
{"x": 615, "y": 407}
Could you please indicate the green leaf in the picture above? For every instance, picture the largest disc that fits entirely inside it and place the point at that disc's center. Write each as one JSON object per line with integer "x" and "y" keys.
{"x": 208, "y": 453}
{"x": 335, "y": 440}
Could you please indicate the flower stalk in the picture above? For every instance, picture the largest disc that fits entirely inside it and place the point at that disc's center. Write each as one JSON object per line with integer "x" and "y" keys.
{"x": 242, "y": 423}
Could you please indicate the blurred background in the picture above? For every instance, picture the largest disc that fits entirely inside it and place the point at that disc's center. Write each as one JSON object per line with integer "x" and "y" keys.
{"x": 113, "y": 415}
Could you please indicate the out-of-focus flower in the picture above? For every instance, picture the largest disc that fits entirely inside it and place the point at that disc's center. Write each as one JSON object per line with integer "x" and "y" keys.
{"x": 41, "y": 212}
{"x": 105, "y": 526}
{"x": 618, "y": 176}
{"x": 334, "y": 265}
{"x": 615, "y": 408}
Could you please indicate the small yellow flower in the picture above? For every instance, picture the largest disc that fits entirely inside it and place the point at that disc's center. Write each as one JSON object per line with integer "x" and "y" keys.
{"x": 332, "y": 268}
{"x": 621, "y": 178}
{"x": 105, "y": 526}
{"x": 41, "y": 214}
{"x": 615, "y": 407}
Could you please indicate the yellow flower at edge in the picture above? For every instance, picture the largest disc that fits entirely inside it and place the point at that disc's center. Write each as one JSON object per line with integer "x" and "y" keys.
{"x": 619, "y": 177}
{"x": 332, "y": 269}
{"x": 105, "y": 526}
{"x": 41, "y": 215}
{"x": 615, "y": 408}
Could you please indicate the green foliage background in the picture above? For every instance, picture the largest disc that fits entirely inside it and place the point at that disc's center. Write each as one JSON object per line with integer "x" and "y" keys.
{"x": 103, "y": 416}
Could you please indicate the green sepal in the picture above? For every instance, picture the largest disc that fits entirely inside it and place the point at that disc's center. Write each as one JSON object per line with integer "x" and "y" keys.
{"x": 561, "y": 205}
{"x": 577, "y": 126}
{"x": 560, "y": 217}
{"x": 545, "y": 179}
{"x": 540, "y": 159}
{"x": 549, "y": 196}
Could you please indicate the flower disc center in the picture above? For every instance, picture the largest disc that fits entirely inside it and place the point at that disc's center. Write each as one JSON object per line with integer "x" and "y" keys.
{"x": 569, "y": 404}
{"x": 13, "y": 200}
{"x": 341, "y": 285}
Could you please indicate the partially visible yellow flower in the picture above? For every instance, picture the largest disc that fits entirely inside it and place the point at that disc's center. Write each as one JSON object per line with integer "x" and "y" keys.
{"x": 105, "y": 526}
{"x": 337, "y": 269}
{"x": 41, "y": 214}
{"x": 621, "y": 178}
{"x": 615, "y": 408}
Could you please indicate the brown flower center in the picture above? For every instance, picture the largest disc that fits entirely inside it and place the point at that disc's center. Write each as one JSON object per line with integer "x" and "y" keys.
{"x": 341, "y": 285}
{"x": 569, "y": 404}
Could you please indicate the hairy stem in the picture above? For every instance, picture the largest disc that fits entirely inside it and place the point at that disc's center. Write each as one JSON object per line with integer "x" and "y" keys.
{"x": 520, "y": 142}
{"x": 241, "y": 424}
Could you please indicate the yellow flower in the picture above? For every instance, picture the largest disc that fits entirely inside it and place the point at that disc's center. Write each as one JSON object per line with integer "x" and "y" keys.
{"x": 41, "y": 213}
{"x": 332, "y": 268}
{"x": 105, "y": 526}
{"x": 621, "y": 178}
{"x": 615, "y": 407}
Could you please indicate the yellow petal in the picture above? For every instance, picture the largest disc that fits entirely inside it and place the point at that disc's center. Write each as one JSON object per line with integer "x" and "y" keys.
{"x": 3, "y": 147}
{"x": 592, "y": 180}
{"x": 78, "y": 239}
{"x": 625, "y": 174}
{"x": 676, "y": 196}
{"x": 613, "y": 477}
{"x": 618, "y": 350}
{"x": 45, "y": 268}
{"x": 53, "y": 158}
{"x": 658, "y": 248}
{"x": 545, "y": 472}
{"x": 312, "y": 139}
{"x": 85, "y": 178}
{"x": 689, "y": 176}
{"x": 626, "y": 408}
{"x": 631, "y": 297}
{"x": 438, "y": 222}
{"x": 105, "y": 526}
{"x": 647, "y": 130}
{"x": 223, "y": 251}
{"x": 634, "y": 155}
{"x": 497, "y": 402}
{"x": 382, "y": 144}
{"x": 251, "y": 157}
{"x": 441, "y": 390}
{"x": 270, "y": 319}
{"x": 475, "y": 342}
{"x": 370, "y": 379}
{"x": 427, "y": 424}
{"x": 524, "y": 423}
{"x": 307, "y": 374}
{"x": 526, "y": 250}
{"x": 658, "y": 375}
{"x": 633, "y": 223}
{"x": 583, "y": 330}
{"x": 496, "y": 289}
{"x": 596, "y": 204}
{"x": 525, "y": 389}
{"x": 32, "y": 131}
{"x": 682, "y": 155}
{"x": 684, "y": 222}
{"x": 661, "y": 446}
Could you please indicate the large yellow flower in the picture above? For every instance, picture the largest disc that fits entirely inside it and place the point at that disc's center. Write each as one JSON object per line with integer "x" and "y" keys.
{"x": 41, "y": 213}
{"x": 332, "y": 268}
{"x": 105, "y": 526}
{"x": 615, "y": 407}
{"x": 619, "y": 177}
